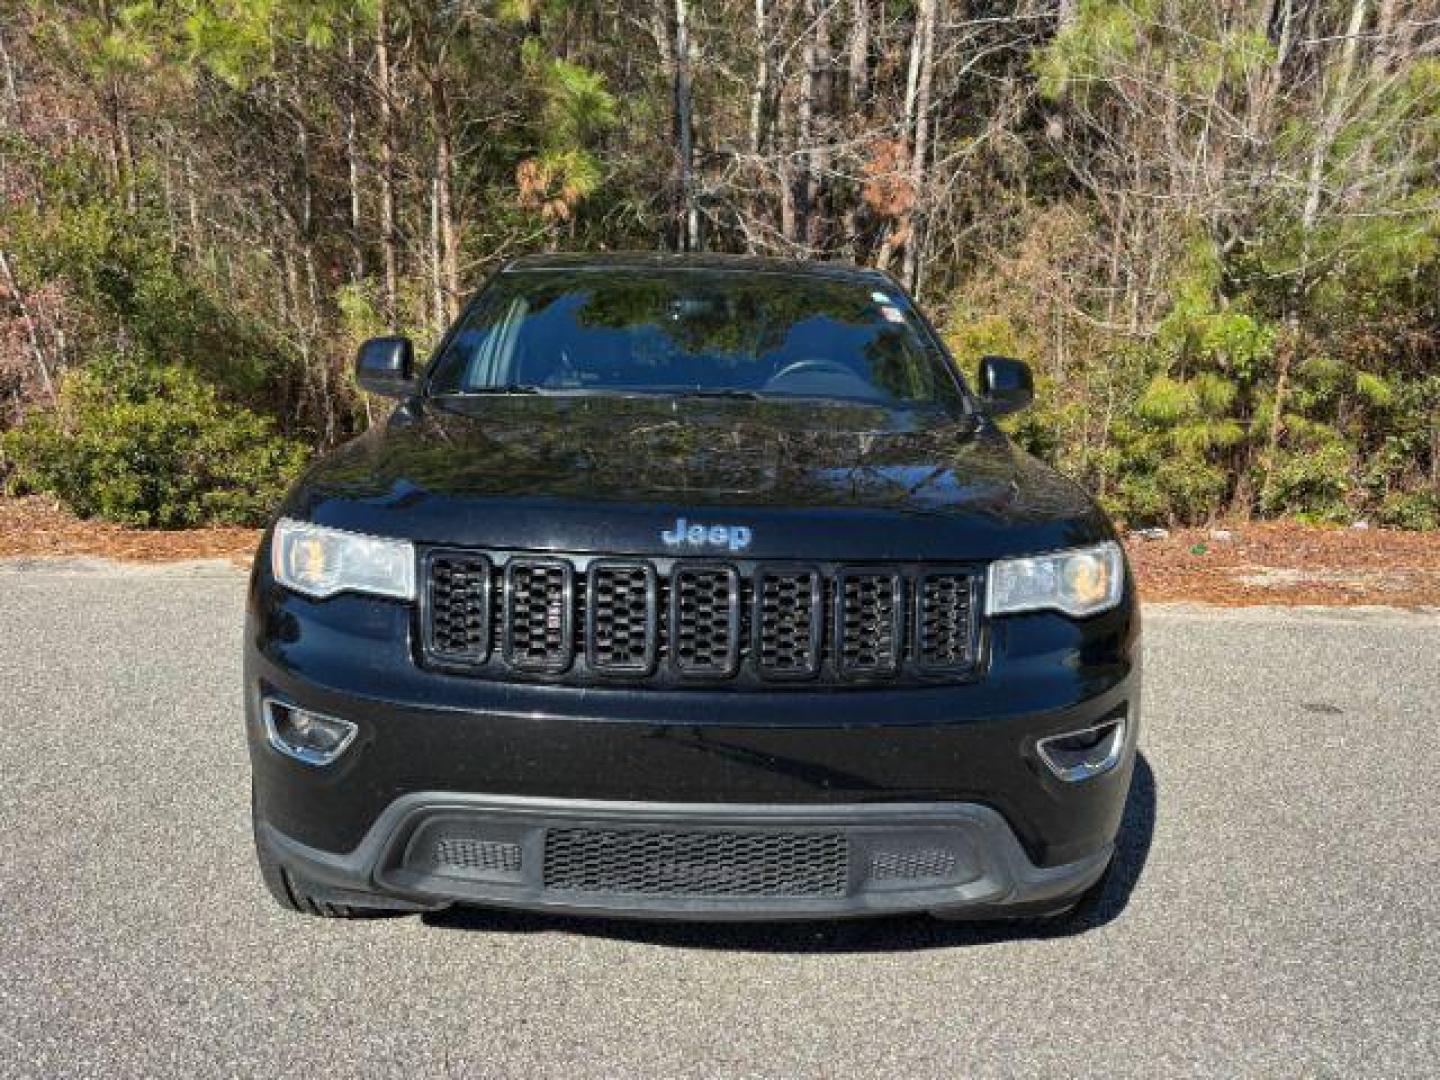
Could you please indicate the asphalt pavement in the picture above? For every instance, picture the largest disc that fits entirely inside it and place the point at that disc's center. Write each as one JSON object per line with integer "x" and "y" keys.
{"x": 1277, "y": 910}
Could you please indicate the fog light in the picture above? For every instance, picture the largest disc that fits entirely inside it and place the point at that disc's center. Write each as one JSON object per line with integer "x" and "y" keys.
{"x": 306, "y": 736}
{"x": 1080, "y": 755}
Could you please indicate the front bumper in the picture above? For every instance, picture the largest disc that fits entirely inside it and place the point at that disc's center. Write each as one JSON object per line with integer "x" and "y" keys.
{"x": 701, "y": 861}
{"x": 951, "y": 769}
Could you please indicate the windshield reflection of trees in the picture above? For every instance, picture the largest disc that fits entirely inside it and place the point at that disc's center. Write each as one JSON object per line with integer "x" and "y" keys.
{"x": 729, "y": 320}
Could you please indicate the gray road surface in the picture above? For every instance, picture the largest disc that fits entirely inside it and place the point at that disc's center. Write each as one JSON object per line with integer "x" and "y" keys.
{"x": 1278, "y": 910}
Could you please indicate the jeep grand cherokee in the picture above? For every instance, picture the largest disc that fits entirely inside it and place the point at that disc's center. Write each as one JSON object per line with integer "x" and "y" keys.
{"x": 689, "y": 587}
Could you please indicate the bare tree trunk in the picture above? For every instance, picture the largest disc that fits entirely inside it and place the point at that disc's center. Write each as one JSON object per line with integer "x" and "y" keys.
{"x": 901, "y": 234}
{"x": 760, "y": 92}
{"x": 12, "y": 92}
{"x": 192, "y": 208}
{"x": 307, "y": 198}
{"x": 389, "y": 241}
{"x": 437, "y": 283}
{"x": 785, "y": 158}
{"x": 805, "y": 133}
{"x": 817, "y": 97}
{"x": 1330, "y": 124}
{"x": 1332, "y": 115}
{"x": 921, "y": 144}
{"x": 282, "y": 259}
{"x": 1435, "y": 452}
{"x": 688, "y": 232}
{"x": 121, "y": 150}
{"x": 319, "y": 364}
{"x": 167, "y": 184}
{"x": 32, "y": 332}
{"x": 859, "y": 56}
{"x": 1394, "y": 36}
{"x": 445, "y": 202}
{"x": 917, "y": 57}
{"x": 308, "y": 314}
{"x": 352, "y": 167}
{"x": 858, "y": 85}
{"x": 1384, "y": 32}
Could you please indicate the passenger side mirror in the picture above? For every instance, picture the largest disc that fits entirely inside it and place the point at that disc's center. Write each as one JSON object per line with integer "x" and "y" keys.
{"x": 1006, "y": 385}
{"x": 386, "y": 366}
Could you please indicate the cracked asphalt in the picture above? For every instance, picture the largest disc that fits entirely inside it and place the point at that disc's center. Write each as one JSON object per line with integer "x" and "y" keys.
{"x": 1277, "y": 909}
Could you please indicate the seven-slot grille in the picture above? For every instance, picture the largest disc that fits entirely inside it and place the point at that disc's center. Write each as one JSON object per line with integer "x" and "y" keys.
{"x": 583, "y": 620}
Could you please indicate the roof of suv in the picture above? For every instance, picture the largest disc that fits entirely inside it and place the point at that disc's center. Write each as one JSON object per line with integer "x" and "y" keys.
{"x": 651, "y": 260}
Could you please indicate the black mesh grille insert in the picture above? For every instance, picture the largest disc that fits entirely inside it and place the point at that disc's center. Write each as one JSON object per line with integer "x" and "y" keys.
{"x": 943, "y": 634}
{"x": 538, "y": 633}
{"x": 869, "y": 623}
{"x": 705, "y": 621}
{"x": 788, "y": 615}
{"x": 696, "y": 863}
{"x": 902, "y": 865}
{"x": 477, "y": 855}
{"x": 459, "y": 607}
{"x": 621, "y": 616}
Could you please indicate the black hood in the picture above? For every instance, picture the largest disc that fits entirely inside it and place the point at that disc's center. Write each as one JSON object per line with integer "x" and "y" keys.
{"x": 610, "y": 474}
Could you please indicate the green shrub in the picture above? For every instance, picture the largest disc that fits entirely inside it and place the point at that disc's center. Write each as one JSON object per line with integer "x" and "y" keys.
{"x": 1312, "y": 482}
{"x": 1174, "y": 489}
{"x": 147, "y": 445}
{"x": 1416, "y": 510}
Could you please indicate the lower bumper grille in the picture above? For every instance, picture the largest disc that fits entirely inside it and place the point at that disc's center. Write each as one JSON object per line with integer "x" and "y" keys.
{"x": 706, "y": 864}
{"x": 676, "y": 860}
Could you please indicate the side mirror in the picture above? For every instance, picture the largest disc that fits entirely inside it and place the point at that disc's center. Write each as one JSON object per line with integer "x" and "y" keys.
{"x": 386, "y": 366}
{"x": 1006, "y": 385}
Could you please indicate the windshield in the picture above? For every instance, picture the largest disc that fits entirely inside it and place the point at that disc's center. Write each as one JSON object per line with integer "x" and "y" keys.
{"x": 680, "y": 331}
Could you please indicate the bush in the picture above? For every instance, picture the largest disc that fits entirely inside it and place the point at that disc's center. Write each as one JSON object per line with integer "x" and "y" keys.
{"x": 1312, "y": 482}
{"x": 147, "y": 445}
{"x": 1417, "y": 510}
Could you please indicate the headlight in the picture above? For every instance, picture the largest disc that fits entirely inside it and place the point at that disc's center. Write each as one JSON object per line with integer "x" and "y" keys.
{"x": 1084, "y": 581}
{"x": 321, "y": 562}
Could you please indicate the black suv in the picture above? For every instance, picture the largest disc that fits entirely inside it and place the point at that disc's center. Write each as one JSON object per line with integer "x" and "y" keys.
{"x": 693, "y": 587}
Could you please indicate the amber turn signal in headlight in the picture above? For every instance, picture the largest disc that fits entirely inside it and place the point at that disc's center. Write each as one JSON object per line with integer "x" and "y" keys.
{"x": 321, "y": 562}
{"x": 1083, "y": 581}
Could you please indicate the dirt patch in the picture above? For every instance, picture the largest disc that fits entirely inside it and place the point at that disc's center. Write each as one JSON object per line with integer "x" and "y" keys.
{"x": 1283, "y": 562}
{"x": 34, "y": 527}
{"x": 1277, "y": 562}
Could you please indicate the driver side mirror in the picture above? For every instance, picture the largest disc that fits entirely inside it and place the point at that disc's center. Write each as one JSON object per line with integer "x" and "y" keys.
{"x": 386, "y": 366}
{"x": 1006, "y": 385}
